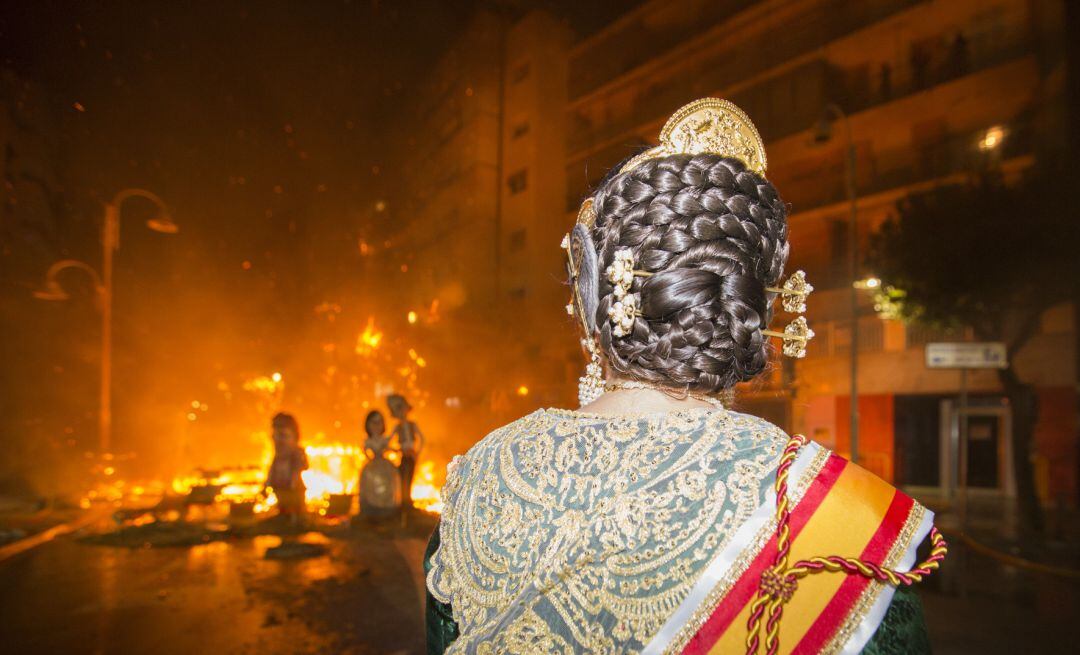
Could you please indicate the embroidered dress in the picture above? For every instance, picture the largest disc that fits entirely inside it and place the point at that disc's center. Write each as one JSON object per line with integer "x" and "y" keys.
{"x": 569, "y": 532}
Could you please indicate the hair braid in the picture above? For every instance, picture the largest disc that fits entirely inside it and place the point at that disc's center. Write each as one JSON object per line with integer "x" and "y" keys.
{"x": 714, "y": 236}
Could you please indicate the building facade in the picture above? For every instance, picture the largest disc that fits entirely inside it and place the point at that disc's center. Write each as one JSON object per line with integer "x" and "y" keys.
{"x": 928, "y": 92}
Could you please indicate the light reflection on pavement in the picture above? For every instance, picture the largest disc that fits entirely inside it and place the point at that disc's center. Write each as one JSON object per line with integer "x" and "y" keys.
{"x": 366, "y": 596}
{"x": 221, "y": 597}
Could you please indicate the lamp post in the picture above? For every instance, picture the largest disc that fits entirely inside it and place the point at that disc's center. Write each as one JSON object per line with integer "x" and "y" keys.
{"x": 110, "y": 242}
{"x": 823, "y": 133}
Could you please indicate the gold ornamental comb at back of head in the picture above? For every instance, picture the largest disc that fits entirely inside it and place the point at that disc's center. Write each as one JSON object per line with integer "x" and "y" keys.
{"x": 708, "y": 125}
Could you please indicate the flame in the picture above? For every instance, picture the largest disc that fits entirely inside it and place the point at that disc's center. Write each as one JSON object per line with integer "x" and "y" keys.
{"x": 269, "y": 384}
{"x": 369, "y": 339}
{"x": 333, "y": 468}
{"x": 425, "y": 493}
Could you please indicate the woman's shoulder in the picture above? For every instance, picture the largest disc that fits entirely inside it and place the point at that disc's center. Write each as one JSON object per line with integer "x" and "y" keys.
{"x": 530, "y": 424}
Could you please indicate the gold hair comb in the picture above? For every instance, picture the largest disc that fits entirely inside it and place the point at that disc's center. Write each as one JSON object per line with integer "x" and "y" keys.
{"x": 708, "y": 125}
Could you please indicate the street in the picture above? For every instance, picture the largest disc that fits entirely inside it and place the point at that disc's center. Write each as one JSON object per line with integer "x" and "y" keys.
{"x": 363, "y": 596}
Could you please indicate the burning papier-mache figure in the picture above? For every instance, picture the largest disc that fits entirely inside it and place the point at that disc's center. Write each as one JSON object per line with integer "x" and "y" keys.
{"x": 410, "y": 443}
{"x": 290, "y": 460}
{"x": 380, "y": 484}
{"x": 656, "y": 519}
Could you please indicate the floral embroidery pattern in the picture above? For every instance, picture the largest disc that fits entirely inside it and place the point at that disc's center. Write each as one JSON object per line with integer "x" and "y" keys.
{"x": 570, "y": 532}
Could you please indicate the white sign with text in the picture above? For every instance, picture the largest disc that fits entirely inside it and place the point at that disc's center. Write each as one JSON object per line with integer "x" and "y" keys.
{"x": 987, "y": 354}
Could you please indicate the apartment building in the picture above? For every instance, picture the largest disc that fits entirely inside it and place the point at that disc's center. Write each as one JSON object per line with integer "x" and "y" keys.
{"x": 928, "y": 90}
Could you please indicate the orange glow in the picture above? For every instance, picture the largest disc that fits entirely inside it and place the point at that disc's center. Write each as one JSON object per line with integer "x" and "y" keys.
{"x": 992, "y": 138}
{"x": 332, "y": 469}
{"x": 523, "y": 390}
{"x": 425, "y": 493}
{"x": 369, "y": 339}
{"x": 269, "y": 384}
{"x": 412, "y": 317}
{"x": 420, "y": 361}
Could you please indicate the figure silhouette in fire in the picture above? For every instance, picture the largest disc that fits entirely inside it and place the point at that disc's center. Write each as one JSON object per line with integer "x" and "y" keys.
{"x": 380, "y": 485}
{"x": 289, "y": 462}
{"x": 410, "y": 443}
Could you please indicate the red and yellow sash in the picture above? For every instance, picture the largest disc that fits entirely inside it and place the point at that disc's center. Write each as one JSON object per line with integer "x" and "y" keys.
{"x": 866, "y": 526}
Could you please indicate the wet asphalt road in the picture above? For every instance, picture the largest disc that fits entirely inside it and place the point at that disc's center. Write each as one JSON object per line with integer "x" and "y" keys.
{"x": 363, "y": 596}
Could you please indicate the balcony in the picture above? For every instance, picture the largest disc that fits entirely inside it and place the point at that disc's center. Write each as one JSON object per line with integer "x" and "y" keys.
{"x": 599, "y": 119}
{"x": 883, "y": 171}
{"x": 642, "y": 36}
{"x": 787, "y": 103}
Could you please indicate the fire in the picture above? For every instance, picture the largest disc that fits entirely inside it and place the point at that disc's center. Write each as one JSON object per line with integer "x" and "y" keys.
{"x": 268, "y": 384}
{"x": 425, "y": 494}
{"x": 369, "y": 339}
{"x": 333, "y": 470}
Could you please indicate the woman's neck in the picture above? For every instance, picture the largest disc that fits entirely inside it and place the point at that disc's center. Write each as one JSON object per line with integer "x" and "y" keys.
{"x": 636, "y": 398}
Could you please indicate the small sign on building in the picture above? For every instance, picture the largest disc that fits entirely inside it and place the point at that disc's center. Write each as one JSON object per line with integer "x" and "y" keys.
{"x": 986, "y": 354}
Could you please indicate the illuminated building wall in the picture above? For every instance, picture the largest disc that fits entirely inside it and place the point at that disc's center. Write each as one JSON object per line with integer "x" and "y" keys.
{"x": 933, "y": 90}
{"x": 532, "y": 222}
{"x": 473, "y": 216}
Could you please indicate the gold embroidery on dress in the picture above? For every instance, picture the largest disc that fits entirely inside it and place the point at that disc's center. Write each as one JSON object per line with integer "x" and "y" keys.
{"x": 563, "y": 522}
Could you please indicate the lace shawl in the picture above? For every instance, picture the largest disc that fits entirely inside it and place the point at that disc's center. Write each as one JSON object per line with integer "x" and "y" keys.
{"x": 571, "y": 532}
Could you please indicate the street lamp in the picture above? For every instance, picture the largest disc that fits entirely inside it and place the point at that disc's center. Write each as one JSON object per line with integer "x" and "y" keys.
{"x": 52, "y": 289}
{"x": 110, "y": 242}
{"x": 822, "y": 134}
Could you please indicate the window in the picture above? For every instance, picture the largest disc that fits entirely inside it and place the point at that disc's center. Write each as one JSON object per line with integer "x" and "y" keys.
{"x": 517, "y": 240}
{"x": 520, "y": 130}
{"x": 518, "y": 182}
{"x": 520, "y": 73}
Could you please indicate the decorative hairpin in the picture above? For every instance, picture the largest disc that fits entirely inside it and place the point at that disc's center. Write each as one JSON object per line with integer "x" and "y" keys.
{"x": 622, "y": 314}
{"x": 708, "y": 125}
{"x": 626, "y": 306}
{"x": 796, "y": 335}
{"x": 621, "y": 272}
{"x": 794, "y": 293}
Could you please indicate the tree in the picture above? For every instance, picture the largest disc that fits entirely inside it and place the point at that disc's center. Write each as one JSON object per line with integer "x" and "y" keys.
{"x": 989, "y": 256}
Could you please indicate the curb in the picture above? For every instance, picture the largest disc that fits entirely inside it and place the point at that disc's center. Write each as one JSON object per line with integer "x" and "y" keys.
{"x": 45, "y": 536}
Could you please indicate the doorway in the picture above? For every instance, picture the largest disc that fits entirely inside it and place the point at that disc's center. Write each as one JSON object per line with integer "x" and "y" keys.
{"x": 986, "y": 457}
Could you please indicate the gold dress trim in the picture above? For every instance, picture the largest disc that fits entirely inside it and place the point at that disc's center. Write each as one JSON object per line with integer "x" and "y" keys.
{"x": 563, "y": 522}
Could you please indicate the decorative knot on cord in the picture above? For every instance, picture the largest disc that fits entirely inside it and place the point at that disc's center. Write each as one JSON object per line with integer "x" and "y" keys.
{"x": 778, "y": 586}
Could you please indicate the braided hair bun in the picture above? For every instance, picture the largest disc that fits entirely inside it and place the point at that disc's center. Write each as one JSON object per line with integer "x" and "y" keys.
{"x": 712, "y": 235}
